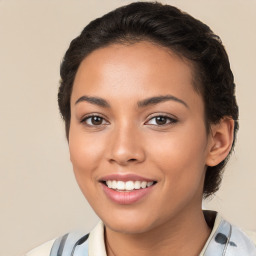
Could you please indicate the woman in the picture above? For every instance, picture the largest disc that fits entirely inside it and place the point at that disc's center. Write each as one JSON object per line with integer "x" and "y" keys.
{"x": 147, "y": 96}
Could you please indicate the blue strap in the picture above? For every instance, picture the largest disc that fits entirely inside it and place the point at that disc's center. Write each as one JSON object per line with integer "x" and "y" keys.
{"x": 71, "y": 244}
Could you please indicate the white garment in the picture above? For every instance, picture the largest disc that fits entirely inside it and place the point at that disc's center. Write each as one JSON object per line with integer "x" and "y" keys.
{"x": 225, "y": 239}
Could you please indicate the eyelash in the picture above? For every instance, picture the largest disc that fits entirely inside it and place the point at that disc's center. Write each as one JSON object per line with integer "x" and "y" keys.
{"x": 171, "y": 120}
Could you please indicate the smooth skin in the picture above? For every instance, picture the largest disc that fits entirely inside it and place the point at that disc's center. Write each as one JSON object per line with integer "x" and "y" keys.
{"x": 128, "y": 139}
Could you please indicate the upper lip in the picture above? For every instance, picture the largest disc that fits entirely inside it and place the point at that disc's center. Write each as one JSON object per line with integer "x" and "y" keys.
{"x": 125, "y": 177}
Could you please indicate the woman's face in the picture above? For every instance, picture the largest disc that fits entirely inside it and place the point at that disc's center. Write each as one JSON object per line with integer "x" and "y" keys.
{"x": 148, "y": 127}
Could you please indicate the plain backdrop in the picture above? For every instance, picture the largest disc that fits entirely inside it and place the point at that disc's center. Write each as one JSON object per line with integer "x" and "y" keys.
{"x": 39, "y": 198}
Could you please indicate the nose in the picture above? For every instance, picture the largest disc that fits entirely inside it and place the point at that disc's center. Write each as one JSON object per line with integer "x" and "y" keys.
{"x": 126, "y": 146}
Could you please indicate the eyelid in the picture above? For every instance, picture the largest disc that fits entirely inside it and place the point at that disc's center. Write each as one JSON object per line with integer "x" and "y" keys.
{"x": 168, "y": 116}
{"x": 86, "y": 117}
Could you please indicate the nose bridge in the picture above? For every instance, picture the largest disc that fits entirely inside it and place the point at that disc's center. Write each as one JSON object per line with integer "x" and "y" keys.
{"x": 125, "y": 143}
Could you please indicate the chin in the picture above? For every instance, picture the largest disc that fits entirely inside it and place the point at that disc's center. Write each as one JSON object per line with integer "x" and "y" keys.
{"x": 129, "y": 225}
{"x": 128, "y": 228}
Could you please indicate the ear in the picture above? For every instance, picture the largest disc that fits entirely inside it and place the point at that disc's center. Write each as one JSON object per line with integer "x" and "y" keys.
{"x": 220, "y": 141}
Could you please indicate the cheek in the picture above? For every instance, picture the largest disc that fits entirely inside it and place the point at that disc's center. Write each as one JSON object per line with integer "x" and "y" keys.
{"x": 85, "y": 150}
{"x": 180, "y": 155}
{"x": 85, "y": 154}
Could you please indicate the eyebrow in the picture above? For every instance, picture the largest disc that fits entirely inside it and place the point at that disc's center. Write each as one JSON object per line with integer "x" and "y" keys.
{"x": 143, "y": 103}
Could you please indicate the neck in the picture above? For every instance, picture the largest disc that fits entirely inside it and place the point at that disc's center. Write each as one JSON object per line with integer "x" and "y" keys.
{"x": 185, "y": 235}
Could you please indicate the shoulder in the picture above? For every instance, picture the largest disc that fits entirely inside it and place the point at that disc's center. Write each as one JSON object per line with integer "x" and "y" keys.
{"x": 234, "y": 240}
{"x": 74, "y": 244}
{"x": 227, "y": 239}
{"x": 245, "y": 238}
{"x": 42, "y": 250}
{"x": 251, "y": 235}
{"x": 66, "y": 244}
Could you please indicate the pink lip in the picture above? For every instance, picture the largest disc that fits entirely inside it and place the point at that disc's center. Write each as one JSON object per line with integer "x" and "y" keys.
{"x": 126, "y": 197}
{"x": 124, "y": 177}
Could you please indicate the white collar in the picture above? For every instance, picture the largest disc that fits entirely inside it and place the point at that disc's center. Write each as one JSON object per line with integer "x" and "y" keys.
{"x": 97, "y": 243}
{"x": 224, "y": 239}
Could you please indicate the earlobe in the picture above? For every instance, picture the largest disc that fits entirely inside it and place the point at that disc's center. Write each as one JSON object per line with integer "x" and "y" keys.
{"x": 221, "y": 141}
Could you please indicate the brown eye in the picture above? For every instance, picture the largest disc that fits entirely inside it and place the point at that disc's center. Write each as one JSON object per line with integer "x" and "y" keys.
{"x": 93, "y": 120}
{"x": 162, "y": 120}
{"x": 96, "y": 120}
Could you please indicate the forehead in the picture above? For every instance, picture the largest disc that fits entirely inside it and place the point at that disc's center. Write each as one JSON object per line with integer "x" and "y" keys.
{"x": 133, "y": 71}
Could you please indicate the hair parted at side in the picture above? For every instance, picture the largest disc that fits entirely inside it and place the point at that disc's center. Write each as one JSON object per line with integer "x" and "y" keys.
{"x": 184, "y": 35}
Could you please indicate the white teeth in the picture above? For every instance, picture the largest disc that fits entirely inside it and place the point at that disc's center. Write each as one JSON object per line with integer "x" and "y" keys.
{"x": 150, "y": 183}
{"x": 113, "y": 184}
{"x": 128, "y": 185}
{"x": 120, "y": 185}
{"x": 109, "y": 184}
{"x": 143, "y": 184}
{"x": 137, "y": 184}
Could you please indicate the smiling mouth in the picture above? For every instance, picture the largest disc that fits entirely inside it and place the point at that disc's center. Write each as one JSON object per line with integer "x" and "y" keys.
{"x": 127, "y": 186}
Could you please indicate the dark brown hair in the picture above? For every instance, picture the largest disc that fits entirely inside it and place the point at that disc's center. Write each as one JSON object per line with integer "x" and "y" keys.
{"x": 184, "y": 35}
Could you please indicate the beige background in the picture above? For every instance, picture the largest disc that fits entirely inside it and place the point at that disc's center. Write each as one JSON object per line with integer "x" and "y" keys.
{"x": 38, "y": 195}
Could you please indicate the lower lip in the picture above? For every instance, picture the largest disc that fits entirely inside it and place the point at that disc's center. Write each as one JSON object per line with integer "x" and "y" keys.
{"x": 126, "y": 197}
